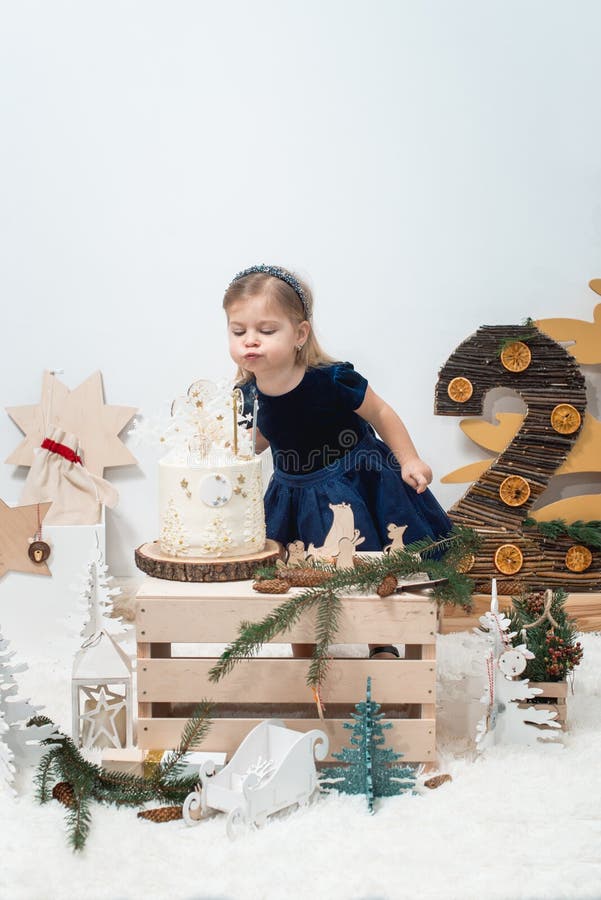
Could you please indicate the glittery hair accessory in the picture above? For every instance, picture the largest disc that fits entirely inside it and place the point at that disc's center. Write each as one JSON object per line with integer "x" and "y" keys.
{"x": 283, "y": 275}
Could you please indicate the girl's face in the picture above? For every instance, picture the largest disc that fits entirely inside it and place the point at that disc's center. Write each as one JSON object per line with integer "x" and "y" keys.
{"x": 262, "y": 338}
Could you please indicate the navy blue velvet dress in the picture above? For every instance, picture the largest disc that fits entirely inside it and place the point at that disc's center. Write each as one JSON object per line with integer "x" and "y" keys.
{"x": 324, "y": 453}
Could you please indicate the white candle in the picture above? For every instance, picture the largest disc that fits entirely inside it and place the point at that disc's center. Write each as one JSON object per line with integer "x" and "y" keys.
{"x": 235, "y": 421}
{"x": 254, "y": 428}
{"x": 494, "y": 599}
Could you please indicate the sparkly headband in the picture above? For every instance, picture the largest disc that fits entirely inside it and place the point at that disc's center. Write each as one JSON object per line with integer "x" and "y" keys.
{"x": 283, "y": 276}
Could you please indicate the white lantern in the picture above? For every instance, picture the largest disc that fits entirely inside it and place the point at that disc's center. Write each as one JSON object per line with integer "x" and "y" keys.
{"x": 102, "y": 694}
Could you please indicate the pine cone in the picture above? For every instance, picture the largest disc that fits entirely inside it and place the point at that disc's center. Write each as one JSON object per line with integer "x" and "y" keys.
{"x": 306, "y": 577}
{"x": 272, "y": 586}
{"x": 514, "y": 587}
{"x": 161, "y": 814}
{"x": 64, "y": 793}
{"x": 388, "y": 586}
{"x": 436, "y": 781}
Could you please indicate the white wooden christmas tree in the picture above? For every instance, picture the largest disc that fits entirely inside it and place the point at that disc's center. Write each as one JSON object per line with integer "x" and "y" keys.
{"x": 19, "y": 742}
{"x": 7, "y": 766}
{"x": 97, "y": 597}
{"x": 508, "y": 719}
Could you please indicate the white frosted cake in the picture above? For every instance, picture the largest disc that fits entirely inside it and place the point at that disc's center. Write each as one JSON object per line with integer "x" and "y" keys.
{"x": 210, "y": 482}
{"x": 213, "y": 508}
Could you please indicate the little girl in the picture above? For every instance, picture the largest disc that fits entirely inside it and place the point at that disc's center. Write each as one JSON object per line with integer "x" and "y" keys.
{"x": 318, "y": 416}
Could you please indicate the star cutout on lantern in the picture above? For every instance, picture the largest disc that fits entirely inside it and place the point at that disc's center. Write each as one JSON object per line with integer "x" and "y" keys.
{"x": 81, "y": 412}
{"x": 18, "y": 526}
{"x": 101, "y": 719}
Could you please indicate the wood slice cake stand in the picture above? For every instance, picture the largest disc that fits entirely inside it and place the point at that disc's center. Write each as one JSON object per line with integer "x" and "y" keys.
{"x": 151, "y": 560}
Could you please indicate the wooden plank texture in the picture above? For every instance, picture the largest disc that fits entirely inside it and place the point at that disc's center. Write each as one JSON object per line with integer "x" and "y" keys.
{"x": 585, "y": 608}
{"x": 284, "y": 681}
{"x": 217, "y": 620}
{"x": 414, "y": 738}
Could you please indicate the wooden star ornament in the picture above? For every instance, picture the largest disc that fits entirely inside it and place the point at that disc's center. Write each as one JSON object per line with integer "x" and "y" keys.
{"x": 81, "y": 412}
{"x": 18, "y": 525}
{"x": 100, "y": 722}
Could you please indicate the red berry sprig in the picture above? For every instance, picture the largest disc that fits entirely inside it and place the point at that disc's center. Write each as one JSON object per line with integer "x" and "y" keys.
{"x": 560, "y": 658}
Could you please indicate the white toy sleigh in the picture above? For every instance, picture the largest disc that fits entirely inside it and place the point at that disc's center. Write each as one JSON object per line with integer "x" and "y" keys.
{"x": 274, "y": 767}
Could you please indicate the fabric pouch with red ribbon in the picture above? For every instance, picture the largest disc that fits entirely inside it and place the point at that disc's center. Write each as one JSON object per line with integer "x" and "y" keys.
{"x": 58, "y": 474}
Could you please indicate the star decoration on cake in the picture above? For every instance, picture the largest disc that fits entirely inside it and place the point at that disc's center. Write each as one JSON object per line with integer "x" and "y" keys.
{"x": 101, "y": 719}
{"x": 18, "y": 525}
{"x": 81, "y": 412}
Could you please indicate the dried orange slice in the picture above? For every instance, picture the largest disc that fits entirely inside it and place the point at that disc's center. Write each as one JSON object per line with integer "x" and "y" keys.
{"x": 460, "y": 389}
{"x": 509, "y": 559}
{"x": 514, "y": 490}
{"x": 578, "y": 558}
{"x": 516, "y": 357}
{"x": 466, "y": 563}
{"x": 565, "y": 418}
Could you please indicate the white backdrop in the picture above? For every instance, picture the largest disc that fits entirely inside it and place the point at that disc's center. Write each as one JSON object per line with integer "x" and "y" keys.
{"x": 430, "y": 166}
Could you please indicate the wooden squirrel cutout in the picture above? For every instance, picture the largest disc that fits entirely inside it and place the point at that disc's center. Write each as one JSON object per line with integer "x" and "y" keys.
{"x": 296, "y": 555}
{"x": 395, "y": 533}
{"x": 346, "y": 554}
{"x": 343, "y": 526}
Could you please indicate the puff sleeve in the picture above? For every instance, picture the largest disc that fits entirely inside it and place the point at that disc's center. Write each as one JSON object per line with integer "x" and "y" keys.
{"x": 350, "y": 386}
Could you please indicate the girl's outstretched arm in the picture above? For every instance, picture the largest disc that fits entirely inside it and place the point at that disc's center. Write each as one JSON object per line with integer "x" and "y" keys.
{"x": 414, "y": 471}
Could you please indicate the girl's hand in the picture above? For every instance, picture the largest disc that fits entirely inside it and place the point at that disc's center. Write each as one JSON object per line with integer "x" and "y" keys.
{"x": 417, "y": 474}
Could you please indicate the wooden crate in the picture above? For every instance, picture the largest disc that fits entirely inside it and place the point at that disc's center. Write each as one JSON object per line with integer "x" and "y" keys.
{"x": 554, "y": 697}
{"x": 169, "y": 613}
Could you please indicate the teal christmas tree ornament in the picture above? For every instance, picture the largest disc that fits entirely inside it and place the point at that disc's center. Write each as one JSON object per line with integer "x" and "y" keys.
{"x": 369, "y": 768}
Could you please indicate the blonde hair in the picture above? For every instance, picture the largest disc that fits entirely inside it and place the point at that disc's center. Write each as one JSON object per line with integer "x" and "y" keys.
{"x": 281, "y": 293}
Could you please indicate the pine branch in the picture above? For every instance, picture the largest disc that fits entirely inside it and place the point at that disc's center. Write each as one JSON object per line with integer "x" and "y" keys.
{"x": 39, "y": 721}
{"x": 92, "y": 782}
{"x": 43, "y": 774}
{"x": 254, "y": 634}
{"x": 194, "y": 733}
{"x": 439, "y": 559}
{"x": 79, "y": 819}
{"x": 326, "y": 628}
{"x": 588, "y": 533}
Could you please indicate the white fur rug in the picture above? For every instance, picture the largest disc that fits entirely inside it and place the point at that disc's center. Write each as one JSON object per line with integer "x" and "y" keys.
{"x": 514, "y": 823}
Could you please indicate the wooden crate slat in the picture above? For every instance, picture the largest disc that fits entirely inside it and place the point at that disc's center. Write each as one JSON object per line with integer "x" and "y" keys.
{"x": 414, "y": 738}
{"x": 217, "y": 620}
{"x": 551, "y": 688}
{"x": 284, "y": 681}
